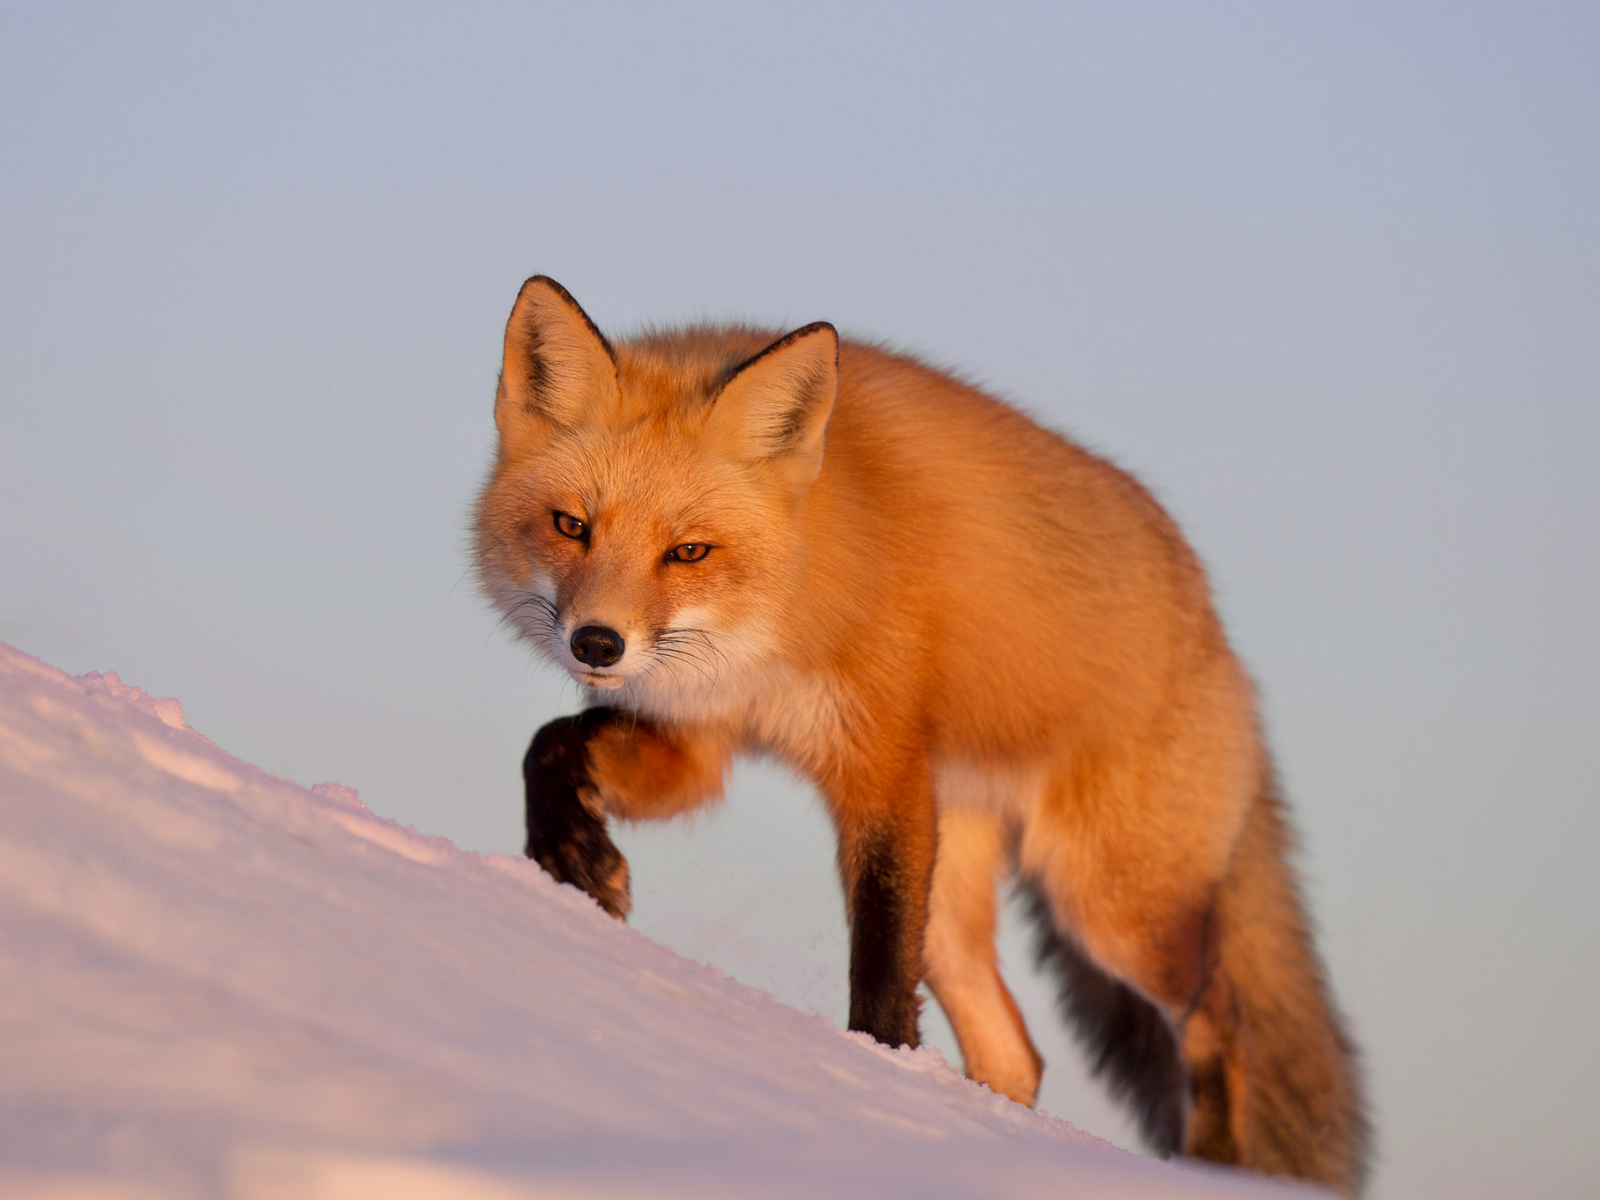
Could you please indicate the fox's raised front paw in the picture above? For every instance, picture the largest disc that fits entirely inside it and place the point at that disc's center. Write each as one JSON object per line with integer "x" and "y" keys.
{"x": 584, "y": 856}
{"x": 566, "y": 827}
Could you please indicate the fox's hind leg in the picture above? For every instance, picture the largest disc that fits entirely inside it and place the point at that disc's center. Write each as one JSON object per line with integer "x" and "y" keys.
{"x": 1123, "y": 887}
{"x": 960, "y": 957}
{"x": 1126, "y": 1039}
{"x": 1198, "y": 991}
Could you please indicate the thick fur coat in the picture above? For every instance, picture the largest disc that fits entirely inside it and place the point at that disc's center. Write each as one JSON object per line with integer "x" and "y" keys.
{"x": 993, "y": 653}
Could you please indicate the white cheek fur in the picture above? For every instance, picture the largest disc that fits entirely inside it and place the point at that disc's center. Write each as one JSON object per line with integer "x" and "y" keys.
{"x": 528, "y": 608}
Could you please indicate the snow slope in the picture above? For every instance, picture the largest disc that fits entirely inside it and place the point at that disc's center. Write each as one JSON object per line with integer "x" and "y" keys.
{"x": 217, "y": 983}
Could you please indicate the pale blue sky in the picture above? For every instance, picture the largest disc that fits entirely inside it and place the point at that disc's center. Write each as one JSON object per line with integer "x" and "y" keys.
{"x": 1326, "y": 277}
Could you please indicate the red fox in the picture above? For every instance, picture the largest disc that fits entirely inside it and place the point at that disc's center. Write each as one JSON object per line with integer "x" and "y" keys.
{"x": 993, "y": 653}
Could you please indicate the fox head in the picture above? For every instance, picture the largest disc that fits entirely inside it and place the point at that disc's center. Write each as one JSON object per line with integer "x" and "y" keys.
{"x": 640, "y": 523}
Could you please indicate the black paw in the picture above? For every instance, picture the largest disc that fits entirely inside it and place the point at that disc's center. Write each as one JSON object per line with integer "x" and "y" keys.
{"x": 566, "y": 829}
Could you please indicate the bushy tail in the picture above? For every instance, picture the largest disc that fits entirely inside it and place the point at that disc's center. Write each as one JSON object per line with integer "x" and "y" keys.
{"x": 1273, "y": 1082}
{"x": 1302, "y": 1113}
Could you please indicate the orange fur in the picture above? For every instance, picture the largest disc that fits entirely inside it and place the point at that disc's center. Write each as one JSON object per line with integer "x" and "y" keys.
{"x": 990, "y": 649}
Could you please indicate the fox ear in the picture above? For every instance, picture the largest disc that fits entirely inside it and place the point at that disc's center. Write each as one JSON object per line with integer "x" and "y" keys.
{"x": 776, "y": 406}
{"x": 557, "y": 366}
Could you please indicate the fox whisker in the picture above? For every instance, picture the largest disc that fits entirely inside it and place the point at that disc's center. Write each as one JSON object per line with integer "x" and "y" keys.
{"x": 533, "y": 614}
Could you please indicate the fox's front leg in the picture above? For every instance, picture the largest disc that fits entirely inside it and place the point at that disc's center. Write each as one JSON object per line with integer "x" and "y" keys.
{"x": 566, "y": 824}
{"x": 887, "y": 839}
{"x": 603, "y": 761}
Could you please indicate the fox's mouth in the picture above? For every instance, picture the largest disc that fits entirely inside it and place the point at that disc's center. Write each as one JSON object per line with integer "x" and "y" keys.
{"x": 594, "y": 679}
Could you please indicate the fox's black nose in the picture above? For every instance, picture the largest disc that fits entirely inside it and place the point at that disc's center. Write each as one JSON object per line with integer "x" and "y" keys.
{"x": 597, "y": 646}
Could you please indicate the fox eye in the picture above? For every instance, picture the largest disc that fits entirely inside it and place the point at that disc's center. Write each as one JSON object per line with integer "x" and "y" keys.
{"x": 689, "y": 552}
{"x": 569, "y": 526}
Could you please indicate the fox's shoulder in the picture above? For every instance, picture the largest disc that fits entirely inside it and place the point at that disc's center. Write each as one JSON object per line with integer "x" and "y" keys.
{"x": 897, "y": 417}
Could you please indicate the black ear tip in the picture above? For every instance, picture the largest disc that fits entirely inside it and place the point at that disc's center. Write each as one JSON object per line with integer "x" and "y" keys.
{"x": 544, "y": 281}
{"x": 828, "y": 333}
{"x": 804, "y": 333}
{"x": 526, "y": 303}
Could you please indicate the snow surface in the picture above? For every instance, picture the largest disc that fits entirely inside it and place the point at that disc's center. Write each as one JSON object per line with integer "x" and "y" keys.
{"x": 218, "y": 983}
